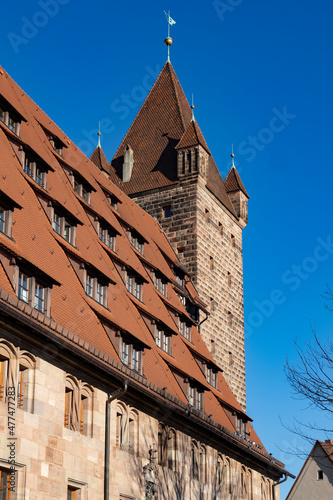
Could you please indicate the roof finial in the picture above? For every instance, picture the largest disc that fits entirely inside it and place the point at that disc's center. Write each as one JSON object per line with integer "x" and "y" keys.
{"x": 168, "y": 41}
{"x": 99, "y": 135}
{"x": 192, "y": 107}
{"x": 232, "y": 157}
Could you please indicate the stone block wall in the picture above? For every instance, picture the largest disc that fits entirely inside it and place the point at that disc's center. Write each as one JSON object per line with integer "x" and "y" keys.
{"x": 49, "y": 458}
{"x": 208, "y": 241}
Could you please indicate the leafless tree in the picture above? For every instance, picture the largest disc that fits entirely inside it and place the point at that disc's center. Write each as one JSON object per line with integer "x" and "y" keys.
{"x": 311, "y": 379}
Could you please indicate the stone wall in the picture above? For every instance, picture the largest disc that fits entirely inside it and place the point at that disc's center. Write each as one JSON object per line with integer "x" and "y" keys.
{"x": 50, "y": 458}
{"x": 208, "y": 241}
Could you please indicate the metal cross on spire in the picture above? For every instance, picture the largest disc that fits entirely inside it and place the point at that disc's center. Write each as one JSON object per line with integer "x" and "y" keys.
{"x": 168, "y": 41}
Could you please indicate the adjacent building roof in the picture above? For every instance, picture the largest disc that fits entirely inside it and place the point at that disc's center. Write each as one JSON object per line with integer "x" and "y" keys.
{"x": 98, "y": 157}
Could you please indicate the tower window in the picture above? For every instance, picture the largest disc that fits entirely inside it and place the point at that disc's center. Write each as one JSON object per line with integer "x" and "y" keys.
{"x": 206, "y": 215}
{"x": 220, "y": 229}
{"x": 167, "y": 211}
{"x": 320, "y": 475}
{"x": 229, "y": 279}
{"x": 232, "y": 240}
{"x": 211, "y": 263}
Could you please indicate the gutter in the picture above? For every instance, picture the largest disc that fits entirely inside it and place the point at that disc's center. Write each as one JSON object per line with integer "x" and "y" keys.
{"x": 116, "y": 394}
{"x": 280, "y": 482}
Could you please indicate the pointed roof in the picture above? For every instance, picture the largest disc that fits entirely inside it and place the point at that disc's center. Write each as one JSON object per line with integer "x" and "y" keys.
{"x": 163, "y": 120}
{"x": 233, "y": 182}
{"x": 192, "y": 137}
{"x": 98, "y": 157}
{"x": 153, "y": 135}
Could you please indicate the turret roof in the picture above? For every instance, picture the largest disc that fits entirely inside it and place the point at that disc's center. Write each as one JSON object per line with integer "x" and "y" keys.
{"x": 98, "y": 157}
{"x": 233, "y": 182}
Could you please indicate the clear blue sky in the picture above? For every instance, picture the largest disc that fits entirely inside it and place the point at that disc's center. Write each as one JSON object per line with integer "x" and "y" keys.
{"x": 261, "y": 73}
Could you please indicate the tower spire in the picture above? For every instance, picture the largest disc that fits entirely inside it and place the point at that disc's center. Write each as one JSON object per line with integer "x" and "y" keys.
{"x": 192, "y": 107}
{"x": 168, "y": 41}
{"x": 99, "y": 135}
{"x": 232, "y": 157}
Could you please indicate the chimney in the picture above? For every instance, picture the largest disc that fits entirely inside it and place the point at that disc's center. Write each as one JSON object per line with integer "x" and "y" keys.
{"x": 128, "y": 164}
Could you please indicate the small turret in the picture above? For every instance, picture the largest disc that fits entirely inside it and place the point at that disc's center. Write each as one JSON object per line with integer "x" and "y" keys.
{"x": 237, "y": 193}
{"x": 193, "y": 152}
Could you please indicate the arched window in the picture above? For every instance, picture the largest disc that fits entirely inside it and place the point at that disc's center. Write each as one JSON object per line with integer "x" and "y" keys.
{"x": 78, "y": 406}
{"x": 172, "y": 449}
{"x": 265, "y": 489}
{"x": 127, "y": 428}
{"x": 167, "y": 446}
{"x": 195, "y": 466}
{"x": 16, "y": 376}
{"x": 203, "y": 464}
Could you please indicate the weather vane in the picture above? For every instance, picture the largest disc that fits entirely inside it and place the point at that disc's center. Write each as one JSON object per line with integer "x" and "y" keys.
{"x": 168, "y": 41}
{"x": 192, "y": 107}
{"x": 99, "y": 135}
{"x": 232, "y": 156}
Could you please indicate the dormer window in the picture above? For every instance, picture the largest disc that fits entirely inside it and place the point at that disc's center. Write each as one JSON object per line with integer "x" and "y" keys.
{"x": 33, "y": 292}
{"x": 64, "y": 227}
{"x": 82, "y": 189}
{"x": 55, "y": 143}
{"x": 134, "y": 285}
{"x": 195, "y": 397}
{"x": 113, "y": 200}
{"x": 131, "y": 354}
{"x": 163, "y": 339}
{"x": 241, "y": 426}
{"x": 96, "y": 289}
{"x": 161, "y": 284}
{"x": 180, "y": 277}
{"x": 211, "y": 376}
{"x": 35, "y": 171}
{"x": 6, "y": 220}
{"x": 10, "y": 117}
{"x": 137, "y": 241}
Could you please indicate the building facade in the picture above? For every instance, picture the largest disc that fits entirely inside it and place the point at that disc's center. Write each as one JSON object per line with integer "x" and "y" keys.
{"x": 108, "y": 390}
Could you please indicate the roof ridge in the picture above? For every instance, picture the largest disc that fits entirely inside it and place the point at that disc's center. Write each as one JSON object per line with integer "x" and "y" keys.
{"x": 173, "y": 77}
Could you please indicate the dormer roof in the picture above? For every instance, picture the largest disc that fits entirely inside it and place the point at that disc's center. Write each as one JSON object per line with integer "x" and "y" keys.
{"x": 192, "y": 137}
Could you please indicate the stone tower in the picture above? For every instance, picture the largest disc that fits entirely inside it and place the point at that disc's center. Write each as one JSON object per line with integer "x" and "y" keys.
{"x": 170, "y": 173}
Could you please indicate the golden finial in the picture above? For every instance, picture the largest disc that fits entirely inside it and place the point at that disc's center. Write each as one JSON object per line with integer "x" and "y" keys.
{"x": 99, "y": 135}
{"x": 232, "y": 157}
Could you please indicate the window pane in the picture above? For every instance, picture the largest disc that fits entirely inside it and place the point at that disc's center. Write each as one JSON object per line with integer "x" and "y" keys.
{"x": 56, "y": 223}
{"x": 124, "y": 354}
{"x": 135, "y": 359}
{"x": 159, "y": 338}
{"x": 23, "y": 291}
{"x": 2, "y": 220}
{"x": 100, "y": 293}
{"x": 39, "y": 297}
{"x": 2, "y": 114}
{"x": 129, "y": 283}
{"x": 89, "y": 286}
{"x": 68, "y": 232}
{"x": 39, "y": 176}
{"x": 11, "y": 124}
{"x": 85, "y": 194}
{"x": 27, "y": 166}
{"x": 77, "y": 186}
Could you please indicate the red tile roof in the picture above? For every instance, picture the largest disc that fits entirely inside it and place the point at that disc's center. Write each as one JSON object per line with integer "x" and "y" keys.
{"x": 192, "y": 137}
{"x": 98, "y": 157}
{"x": 233, "y": 182}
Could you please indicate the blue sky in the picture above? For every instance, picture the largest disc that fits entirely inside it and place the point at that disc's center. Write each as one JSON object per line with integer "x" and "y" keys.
{"x": 261, "y": 74}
